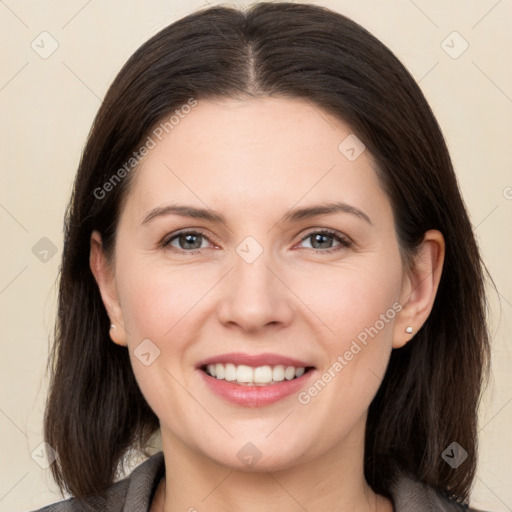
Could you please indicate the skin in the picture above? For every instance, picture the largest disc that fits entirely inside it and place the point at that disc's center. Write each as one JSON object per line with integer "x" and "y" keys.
{"x": 253, "y": 161}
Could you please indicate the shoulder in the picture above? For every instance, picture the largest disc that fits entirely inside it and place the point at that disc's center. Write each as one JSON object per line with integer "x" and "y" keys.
{"x": 411, "y": 494}
{"x": 134, "y": 492}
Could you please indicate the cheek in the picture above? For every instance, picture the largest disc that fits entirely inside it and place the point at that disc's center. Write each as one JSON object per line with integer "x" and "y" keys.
{"x": 156, "y": 298}
{"x": 156, "y": 304}
{"x": 347, "y": 301}
{"x": 357, "y": 307}
{"x": 160, "y": 304}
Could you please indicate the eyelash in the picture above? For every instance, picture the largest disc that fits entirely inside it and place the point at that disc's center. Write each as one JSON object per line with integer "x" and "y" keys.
{"x": 344, "y": 242}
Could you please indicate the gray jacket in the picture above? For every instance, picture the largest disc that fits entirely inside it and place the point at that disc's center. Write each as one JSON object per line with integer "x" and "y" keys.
{"x": 135, "y": 493}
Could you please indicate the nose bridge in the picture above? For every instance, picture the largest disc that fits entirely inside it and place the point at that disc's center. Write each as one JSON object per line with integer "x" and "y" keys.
{"x": 254, "y": 296}
{"x": 253, "y": 276}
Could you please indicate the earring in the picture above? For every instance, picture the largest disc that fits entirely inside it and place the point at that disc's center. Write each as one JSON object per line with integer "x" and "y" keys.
{"x": 112, "y": 326}
{"x": 408, "y": 330}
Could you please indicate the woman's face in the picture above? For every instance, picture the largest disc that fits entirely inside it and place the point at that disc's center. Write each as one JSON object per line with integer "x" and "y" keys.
{"x": 265, "y": 287}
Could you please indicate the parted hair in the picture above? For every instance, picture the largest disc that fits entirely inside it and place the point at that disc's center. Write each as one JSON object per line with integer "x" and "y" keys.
{"x": 96, "y": 414}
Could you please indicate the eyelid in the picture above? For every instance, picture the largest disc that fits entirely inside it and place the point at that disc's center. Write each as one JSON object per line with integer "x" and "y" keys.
{"x": 344, "y": 240}
{"x": 167, "y": 238}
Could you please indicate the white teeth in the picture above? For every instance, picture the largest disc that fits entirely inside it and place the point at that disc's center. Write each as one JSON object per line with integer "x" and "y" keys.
{"x": 219, "y": 371}
{"x": 289, "y": 373}
{"x": 278, "y": 373}
{"x": 261, "y": 375}
{"x": 230, "y": 373}
{"x": 244, "y": 373}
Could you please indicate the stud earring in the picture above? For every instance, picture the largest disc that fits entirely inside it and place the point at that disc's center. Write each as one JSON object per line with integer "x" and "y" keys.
{"x": 112, "y": 326}
{"x": 408, "y": 330}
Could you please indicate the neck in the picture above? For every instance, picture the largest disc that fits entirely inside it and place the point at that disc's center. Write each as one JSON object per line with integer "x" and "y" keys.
{"x": 333, "y": 481}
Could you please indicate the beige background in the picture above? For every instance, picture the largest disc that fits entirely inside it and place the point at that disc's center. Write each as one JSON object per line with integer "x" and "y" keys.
{"x": 48, "y": 105}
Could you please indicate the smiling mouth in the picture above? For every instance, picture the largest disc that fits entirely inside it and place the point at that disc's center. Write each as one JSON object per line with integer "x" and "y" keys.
{"x": 244, "y": 375}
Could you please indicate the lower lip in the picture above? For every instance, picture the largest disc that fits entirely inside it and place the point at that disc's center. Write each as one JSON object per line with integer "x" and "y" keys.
{"x": 255, "y": 396}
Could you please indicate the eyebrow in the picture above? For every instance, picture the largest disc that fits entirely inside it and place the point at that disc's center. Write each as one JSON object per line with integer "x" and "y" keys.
{"x": 293, "y": 215}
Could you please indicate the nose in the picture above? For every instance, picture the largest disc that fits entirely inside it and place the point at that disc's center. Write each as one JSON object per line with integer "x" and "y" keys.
{"x": 254, "y": 296}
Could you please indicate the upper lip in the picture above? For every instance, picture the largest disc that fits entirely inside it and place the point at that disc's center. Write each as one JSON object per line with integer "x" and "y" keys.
{"x": 254, "y": 360}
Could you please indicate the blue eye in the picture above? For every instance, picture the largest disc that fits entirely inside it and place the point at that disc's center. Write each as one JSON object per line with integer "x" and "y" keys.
{"x": 191, "y": 242}
{"x": 321, "y": 241}
{"x": 187, "y": 240}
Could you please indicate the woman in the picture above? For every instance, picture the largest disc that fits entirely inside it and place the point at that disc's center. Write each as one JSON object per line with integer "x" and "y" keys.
{"x": 268, "y": 261}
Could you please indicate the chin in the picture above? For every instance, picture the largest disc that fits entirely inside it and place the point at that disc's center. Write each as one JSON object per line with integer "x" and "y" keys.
{"x": 259, "y": 456}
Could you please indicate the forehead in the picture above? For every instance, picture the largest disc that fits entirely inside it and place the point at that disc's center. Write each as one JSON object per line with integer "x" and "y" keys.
{"x": 256, "y": 154}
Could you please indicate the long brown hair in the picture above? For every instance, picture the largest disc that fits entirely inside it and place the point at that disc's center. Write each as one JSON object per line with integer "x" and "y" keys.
{"x": 430, "y": 394}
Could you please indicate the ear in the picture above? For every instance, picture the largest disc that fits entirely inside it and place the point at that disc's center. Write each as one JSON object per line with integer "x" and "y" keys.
{"x": 419, "y": 287}
{"x": 104, "y": 276}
